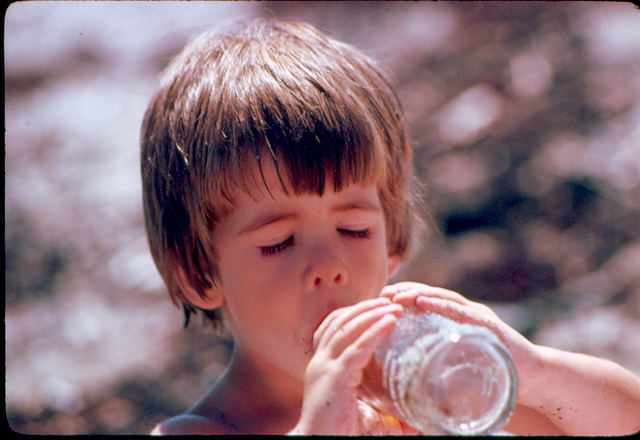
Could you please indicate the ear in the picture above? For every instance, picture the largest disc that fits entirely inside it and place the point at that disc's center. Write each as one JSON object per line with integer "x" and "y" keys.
{"x": 213, "y": 299}
{"x": 393, "y": 263}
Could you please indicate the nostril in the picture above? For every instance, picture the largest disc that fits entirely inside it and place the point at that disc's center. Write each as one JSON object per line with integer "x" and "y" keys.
{"x": 317, "y": 281}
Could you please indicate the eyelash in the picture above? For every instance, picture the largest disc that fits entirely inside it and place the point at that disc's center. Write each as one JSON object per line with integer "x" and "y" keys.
{"x": 362, "y": 233}
{"x": 279, "y": 247}
{"x": 276, "y": 248}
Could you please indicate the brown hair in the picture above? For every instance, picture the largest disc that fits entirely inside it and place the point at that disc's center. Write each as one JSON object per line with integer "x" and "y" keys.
{"x": 279, "y": 91}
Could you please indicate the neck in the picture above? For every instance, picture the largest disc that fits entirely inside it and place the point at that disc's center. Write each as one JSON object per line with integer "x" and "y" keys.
{"x": 254, "y": 372}
{"x": 264, "y": 398}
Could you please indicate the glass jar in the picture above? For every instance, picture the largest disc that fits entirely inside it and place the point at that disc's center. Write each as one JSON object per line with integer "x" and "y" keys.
{"x": 441, "y": 376}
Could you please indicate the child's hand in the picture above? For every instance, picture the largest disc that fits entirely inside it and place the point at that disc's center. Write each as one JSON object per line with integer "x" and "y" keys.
{"x": 343, "y": 345}
{"x": 454, "y": 306}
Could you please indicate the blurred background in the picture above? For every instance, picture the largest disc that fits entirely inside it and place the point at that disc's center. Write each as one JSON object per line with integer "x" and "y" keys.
{"x": 525, "y": 119}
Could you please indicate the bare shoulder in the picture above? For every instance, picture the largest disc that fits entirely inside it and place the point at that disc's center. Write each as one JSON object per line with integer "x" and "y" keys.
{"x": 190, "y": 424}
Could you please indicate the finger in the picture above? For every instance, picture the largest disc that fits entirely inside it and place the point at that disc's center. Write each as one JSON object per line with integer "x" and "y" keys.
{"x": 357, "y": 355}
{"x": 405, "y": 288}
{"x": 473, "y": 313}
{"x": 349, "y": 326}
{"x": 406, "y": 293}
{"x": 346, "y": 328}
{"x": 338, "y": 317}
{"x": 391, "y": 290}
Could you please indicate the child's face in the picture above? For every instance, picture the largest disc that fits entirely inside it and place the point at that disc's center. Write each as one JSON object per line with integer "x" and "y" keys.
{"x": 286, "y": 261}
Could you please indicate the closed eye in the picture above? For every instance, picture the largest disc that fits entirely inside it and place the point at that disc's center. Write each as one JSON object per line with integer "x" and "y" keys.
{"x": 276, "y": 248}
{"x": 361, "y": 233}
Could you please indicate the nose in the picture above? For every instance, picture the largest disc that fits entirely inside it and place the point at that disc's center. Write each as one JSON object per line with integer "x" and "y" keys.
{"x": 325, "y": 267}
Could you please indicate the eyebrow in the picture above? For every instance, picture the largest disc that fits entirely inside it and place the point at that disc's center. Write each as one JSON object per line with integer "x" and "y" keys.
{"x": 363, "y": 205}
{"x": 265, "y": 220}
{"x": 269, "y": 218}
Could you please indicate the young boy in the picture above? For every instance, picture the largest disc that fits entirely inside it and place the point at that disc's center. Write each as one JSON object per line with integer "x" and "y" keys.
{"x": 278, "y": 198}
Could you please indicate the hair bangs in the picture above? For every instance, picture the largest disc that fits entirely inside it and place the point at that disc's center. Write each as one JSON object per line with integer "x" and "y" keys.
{"x": 311, "y": 135}
{"x": 309, "y": 157}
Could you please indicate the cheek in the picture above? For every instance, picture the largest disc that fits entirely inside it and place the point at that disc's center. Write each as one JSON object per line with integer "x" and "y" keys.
{"x": 254, "y": 279}
{"x": 372, "y": 267}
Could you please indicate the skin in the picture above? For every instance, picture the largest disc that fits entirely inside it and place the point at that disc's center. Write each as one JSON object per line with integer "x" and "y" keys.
{"x": 302, "y": 288}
